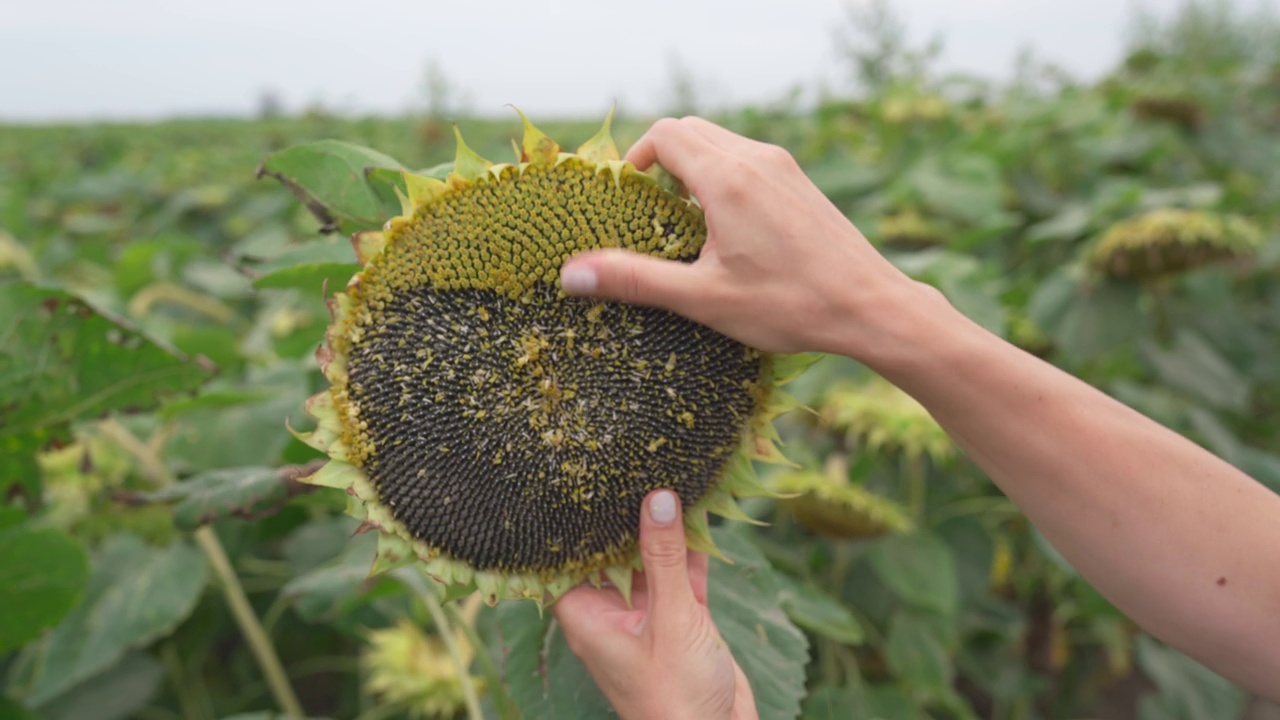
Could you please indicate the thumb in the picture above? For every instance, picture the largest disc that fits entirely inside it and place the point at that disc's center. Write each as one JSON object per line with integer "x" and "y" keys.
{"x": 665, "y": 555}
{"x": 631, "y": 278}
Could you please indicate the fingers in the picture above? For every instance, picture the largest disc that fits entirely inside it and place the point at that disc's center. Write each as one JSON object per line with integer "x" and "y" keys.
{"x": 665, "y": 555}
{"x": 632, "y": 278}
{"x": 683, "y": 151}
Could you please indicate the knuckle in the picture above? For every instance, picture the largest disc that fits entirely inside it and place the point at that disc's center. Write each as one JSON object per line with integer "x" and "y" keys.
{"x": 630, "y": 283}
{"x": 666, "y": 552}
{"x": 665, "y": 126}
{"x": 776, "y": 156}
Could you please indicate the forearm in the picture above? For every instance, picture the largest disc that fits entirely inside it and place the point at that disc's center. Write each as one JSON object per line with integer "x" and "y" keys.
{"x": 1181, "y": 541}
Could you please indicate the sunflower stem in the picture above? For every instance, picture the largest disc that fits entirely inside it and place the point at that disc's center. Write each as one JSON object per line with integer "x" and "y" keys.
{"x": 233, "y": 592}
{"x": 491, "y": 672}
{"x": 431, "y": 598}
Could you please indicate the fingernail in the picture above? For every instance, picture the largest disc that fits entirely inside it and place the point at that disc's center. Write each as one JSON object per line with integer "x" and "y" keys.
{"x": 662, "y": 507}
{"x": 578, "y": 279}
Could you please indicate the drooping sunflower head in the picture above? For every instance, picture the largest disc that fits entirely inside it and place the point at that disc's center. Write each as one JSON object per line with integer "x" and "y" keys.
{"x": 880, "y": 417}
{"x": 1166, "y": 242}
{"x": 909, "y": 230}
{"x": 504, "y": 433}
{"x": 836, "y": 508}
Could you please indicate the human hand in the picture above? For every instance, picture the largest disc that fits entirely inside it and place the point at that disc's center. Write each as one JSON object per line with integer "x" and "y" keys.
{"x": 662, "y": 658}
{"x": 782, "y": 270}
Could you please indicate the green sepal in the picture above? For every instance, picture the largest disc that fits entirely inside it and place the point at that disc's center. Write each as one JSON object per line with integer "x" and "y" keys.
{"x": 368, "y": 244}
{"x": 393, "y": 552}
{"x": 468, "y": 164}
{"x": 720, "y": 502}
{"x": 621, "y": 577}
{"x": 788, "y": 367}
{"x": 742, "y": 480}
{"x": 601, "y": 147}
{"x": 492, "y": 587}
{"x": 559, "y": 586}
{"x": 421, "y": 190}
{"x": 697, "y": 536}
{"x": 765, "y": 450}
{"x": 536, "y": 146}
{"x": 334, "y": 474}
{"x": 781, "y": 403}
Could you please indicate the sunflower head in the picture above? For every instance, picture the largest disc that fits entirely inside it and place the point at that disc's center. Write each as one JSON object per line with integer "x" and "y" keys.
{"x": 1166, "y": 242}
{"x": 836, "y": 508}
{"x": 405, "y": 666}
{"x": 909, "y": 230}
{"x": 880, "y": 417}
{"x": 506, "y": 434}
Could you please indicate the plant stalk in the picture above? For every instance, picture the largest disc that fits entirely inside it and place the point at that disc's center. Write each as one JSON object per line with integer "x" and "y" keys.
{"x": 263, "y": 651}
{"x": 431, "y": 599}
{"x": 237, "y": 602}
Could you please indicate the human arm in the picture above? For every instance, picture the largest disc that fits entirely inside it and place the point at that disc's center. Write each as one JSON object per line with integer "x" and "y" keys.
{"x": 661, "y": 657}
{"x": 1182, "y": 542}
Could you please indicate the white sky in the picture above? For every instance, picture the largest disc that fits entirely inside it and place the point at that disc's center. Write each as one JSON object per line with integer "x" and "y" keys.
{"x": 92, "y": 59}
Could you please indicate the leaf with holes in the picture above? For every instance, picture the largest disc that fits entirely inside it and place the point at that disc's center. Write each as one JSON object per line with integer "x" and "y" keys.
{"x": 61, "y": 360}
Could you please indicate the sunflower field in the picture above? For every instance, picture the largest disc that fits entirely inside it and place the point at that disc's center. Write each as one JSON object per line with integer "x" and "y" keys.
{"x": 163, "y": 292}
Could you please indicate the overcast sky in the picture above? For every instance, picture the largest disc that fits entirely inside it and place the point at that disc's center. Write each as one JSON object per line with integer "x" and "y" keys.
{"x": 91, "y": 59}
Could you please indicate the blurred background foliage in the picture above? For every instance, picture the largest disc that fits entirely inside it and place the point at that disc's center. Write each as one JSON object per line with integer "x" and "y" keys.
{"x": 159, "y": 308}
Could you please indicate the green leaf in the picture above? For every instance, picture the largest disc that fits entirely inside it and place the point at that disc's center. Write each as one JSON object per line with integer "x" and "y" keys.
{"x": 334, "y": 588}
{"x": 43, "y": 573}
{"x": 1087, "y": 321}
{"x": 60, "y": 360}
{"x": 329, "y": 176}
{"x": 1187, "y": 689}
{"x": 118, "y": 693}
{"x": 879, "y": 702}
{"x": 814, "y": 610}
{"x": 1261, "y": 466}
{"x": 136, "y": 594}
{"x": 743, "y": 601}
{"x": 916, "y": 655}
{"x": 543, "y": 676}
{"x": 311, "y": 278}
{"x": 10, "y": 709}
{"x": 920, "y": 569}
{"x": 1194, "y": 367}
{"x": 244, "y": 492}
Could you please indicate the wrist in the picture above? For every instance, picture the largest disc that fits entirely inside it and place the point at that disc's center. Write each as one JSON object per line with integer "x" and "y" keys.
{"x": 898, "y": 328}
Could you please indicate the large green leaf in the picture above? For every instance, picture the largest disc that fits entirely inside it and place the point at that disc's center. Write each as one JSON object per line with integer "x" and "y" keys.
{"x": 915, "y": 653}
{"x": 335, "y": 587}
{"x": 816, "y": 611}
{"x": 743, "y": 601}
{"x": 120, "y": 692}
{"x": 60, "y": 360}
{"x": 881, "y": 702}
{"x": 245, "y": 492}
{"x": 330, "y": 177}
{"x": 136, "y": 594}
{"x": 1187, "y": 689}
{"x": 42, "y": 574}
{"x": 12, "y": 710}
{"x": 547, "y": 681}
{"x": 1194, "y": 367}
{"x": 920, "y": 569}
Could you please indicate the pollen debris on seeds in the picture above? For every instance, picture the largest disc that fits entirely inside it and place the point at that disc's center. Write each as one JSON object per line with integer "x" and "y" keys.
{"x": 505, "y": 434}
